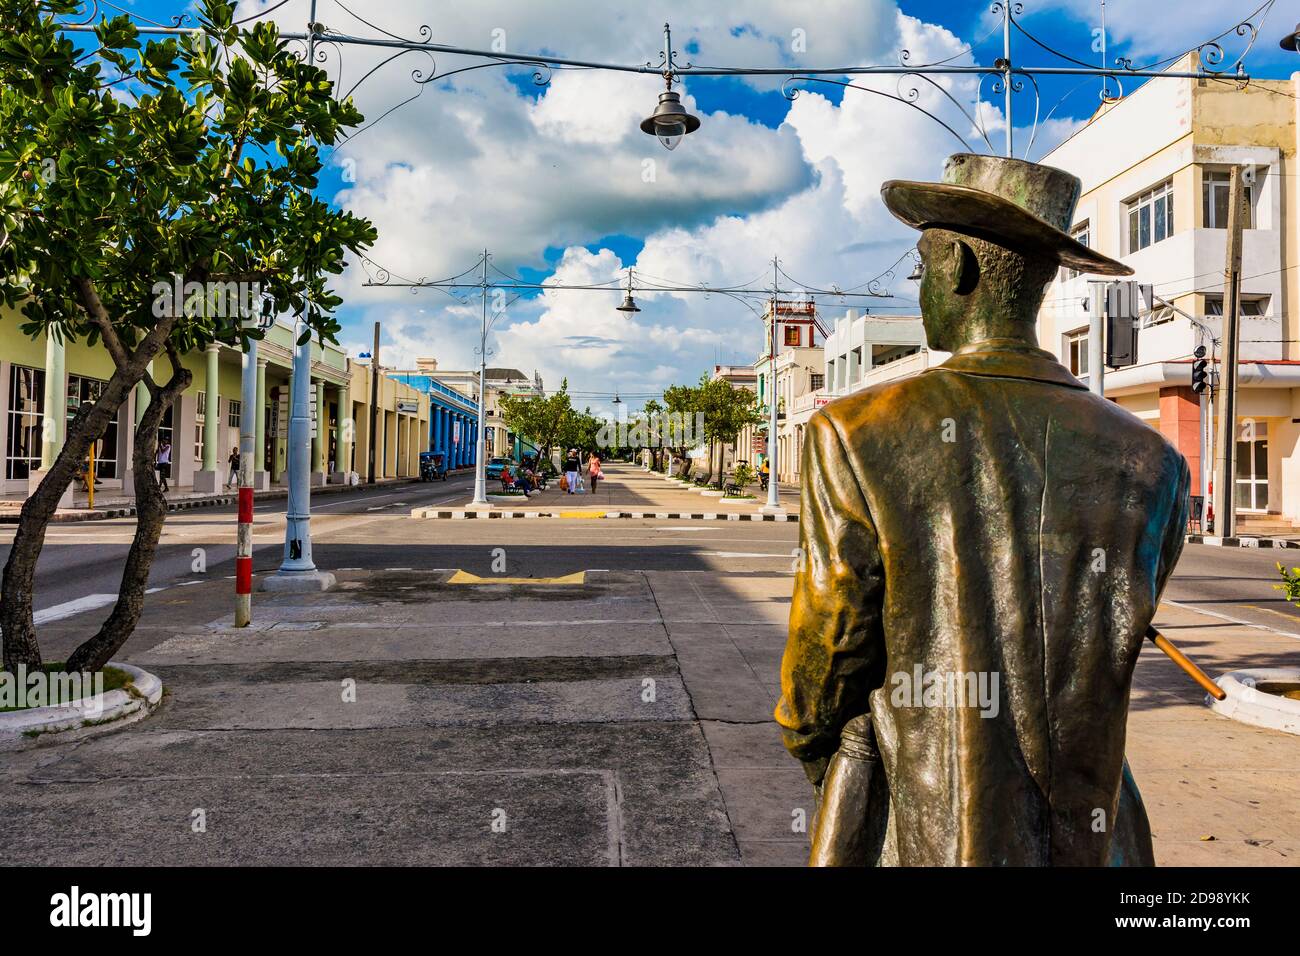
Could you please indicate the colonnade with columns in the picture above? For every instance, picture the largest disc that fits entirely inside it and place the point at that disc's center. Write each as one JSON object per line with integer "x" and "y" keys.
{"x": 455, "y": 434}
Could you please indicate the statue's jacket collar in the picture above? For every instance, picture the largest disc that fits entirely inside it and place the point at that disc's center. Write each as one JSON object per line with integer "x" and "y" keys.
{"x": 1009, "y": 358}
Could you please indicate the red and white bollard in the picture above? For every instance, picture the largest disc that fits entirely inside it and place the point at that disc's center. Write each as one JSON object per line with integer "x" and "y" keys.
{"x": 247, "y": 453}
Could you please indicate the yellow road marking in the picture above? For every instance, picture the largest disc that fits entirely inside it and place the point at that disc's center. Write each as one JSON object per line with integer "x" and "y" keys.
{"x": 463, "y": 577}
{"x": 582, "y": 514}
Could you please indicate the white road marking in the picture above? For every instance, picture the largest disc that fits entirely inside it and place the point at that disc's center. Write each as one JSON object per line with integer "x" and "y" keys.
{"x": 1232, "y": 620}
{"x": 745, "y": 554}
{"x": 58, "y": 612}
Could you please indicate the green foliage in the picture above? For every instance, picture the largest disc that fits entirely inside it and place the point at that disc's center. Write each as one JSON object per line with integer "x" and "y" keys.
{"x": 135, "y": 161}
{"x": 580, "y": 429}
{"x": 1290, "y": 583}
{"x": 727, "y": 410}
{"x": 744, "y": 476}
{"x": 540, "y": 420}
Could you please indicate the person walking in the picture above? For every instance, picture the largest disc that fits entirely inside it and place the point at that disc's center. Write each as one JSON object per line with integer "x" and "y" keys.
{"x": 234, "y": 468}
{"x": 593, "y": 471}
{"x": 164, "y": 462}
{"x": 571, "y": 471}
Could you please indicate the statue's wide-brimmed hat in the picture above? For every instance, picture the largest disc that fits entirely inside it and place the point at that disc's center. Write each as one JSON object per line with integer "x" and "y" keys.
{"x": 1024, "y": 206}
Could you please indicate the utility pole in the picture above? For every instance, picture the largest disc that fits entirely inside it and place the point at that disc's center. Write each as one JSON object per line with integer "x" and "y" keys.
{"x": 773, "y": 506}
{"x": 374, "y": 407}
{"x": 1006, "y": 70}
{"x": 297, "y": 571}
{"x": 1225, "y": 452}
{"x": 480, "y": 474}
{"x": 1097, "y": 338}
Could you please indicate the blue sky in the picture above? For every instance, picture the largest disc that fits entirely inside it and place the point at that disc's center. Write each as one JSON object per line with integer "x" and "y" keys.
{"x": 553, "y": 179}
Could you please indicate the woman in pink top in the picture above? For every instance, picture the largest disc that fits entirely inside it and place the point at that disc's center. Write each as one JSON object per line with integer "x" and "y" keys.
{"x": 593, "y": 470}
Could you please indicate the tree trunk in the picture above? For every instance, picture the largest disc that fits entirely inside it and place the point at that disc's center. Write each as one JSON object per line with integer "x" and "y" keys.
{"x": 150, "y": 514}
{"x": 20, "y": 646}
{"x": 18, "y": 583}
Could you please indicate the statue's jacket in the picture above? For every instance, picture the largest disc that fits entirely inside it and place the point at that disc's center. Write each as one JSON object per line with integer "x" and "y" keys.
{"x": 990, "y": 516}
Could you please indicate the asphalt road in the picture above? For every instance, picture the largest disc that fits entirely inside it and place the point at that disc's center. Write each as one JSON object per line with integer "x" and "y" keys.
{"x": 371, "y": 528}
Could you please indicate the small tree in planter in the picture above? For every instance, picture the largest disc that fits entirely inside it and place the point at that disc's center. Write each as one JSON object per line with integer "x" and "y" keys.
{"x": 744, "y": 476}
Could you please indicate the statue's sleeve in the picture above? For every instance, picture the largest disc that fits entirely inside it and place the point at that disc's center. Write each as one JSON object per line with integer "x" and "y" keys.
{"x": 1176, "y": 530}
{"x": 835, "y": 653}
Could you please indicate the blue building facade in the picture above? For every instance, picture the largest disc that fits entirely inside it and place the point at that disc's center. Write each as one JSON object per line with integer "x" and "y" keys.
{"x": 453, "y": 419}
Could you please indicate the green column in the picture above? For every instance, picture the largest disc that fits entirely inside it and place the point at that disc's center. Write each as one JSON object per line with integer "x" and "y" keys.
{"x": 259, "y": 457}
{"x": 343, "y": 431}
{"x": 212, "y": 417}
{"x": 319, "y": 443}
{"x": 55, "y": 423}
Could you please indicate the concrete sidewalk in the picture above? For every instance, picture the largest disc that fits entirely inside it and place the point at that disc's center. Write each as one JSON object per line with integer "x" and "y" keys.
{"x": 620, "y": 719}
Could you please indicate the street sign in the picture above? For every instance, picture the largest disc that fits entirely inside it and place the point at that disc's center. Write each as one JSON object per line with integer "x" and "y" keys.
{"x": 408, "y": 407}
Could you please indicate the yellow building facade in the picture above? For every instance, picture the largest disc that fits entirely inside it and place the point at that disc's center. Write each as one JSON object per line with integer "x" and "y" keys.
{"x": 42, "y": 383}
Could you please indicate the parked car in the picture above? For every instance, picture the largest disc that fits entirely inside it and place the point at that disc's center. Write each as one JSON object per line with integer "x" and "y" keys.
{"x": 494, "y": 466}
{"x": 433, "y": 466}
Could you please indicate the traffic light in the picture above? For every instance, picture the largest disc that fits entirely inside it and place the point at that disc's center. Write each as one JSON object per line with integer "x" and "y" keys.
{"x": 1200, "y": 370}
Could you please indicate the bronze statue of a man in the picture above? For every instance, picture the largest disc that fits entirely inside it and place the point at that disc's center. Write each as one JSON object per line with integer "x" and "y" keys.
{"x": 984, "y": 545}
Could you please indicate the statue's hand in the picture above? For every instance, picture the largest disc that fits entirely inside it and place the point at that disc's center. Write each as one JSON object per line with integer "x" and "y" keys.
{"x": 815, "y": 770}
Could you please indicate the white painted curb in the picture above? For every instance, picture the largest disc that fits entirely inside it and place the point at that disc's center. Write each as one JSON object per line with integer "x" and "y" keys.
{"x": 1247, "y": 704}
{"x": 119, "y": 707}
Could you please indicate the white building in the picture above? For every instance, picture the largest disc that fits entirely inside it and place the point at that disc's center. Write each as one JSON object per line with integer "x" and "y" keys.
{"x": 799, "y": 368}
{"x": 1154, "y": 168}
{"x": 863, "y": 345}
{"x": 749, "y": 442}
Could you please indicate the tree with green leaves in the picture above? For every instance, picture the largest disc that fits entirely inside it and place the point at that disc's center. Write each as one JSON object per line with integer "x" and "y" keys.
{"x": 727, "y": 411}
{"x": 538, "y": 419}
{"x": 122, "y": 165}
{"x": 580, "y": 430}
{"x": 681, "y": 403}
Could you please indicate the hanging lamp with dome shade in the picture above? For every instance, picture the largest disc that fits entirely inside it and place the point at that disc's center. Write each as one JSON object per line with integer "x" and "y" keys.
{"x": 670, "y": 121}
{"x": 629, "y": 303}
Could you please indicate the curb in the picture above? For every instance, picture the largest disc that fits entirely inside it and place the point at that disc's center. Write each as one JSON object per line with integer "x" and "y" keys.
{"x": 185, "y": 504}
{"x": 120, "y": 707}
{"x": 1241, "y": 542}
{"x": 1255, "y": 707}
{"x": 458, "y": 514}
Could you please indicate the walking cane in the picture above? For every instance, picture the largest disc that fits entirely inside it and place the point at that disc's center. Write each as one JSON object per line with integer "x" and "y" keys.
{"x": 1179, "y": 658}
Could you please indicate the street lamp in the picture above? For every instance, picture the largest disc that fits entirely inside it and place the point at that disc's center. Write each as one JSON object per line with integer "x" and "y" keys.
{"x": 629, "y": 303}
{"x": 670, "y": 121}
